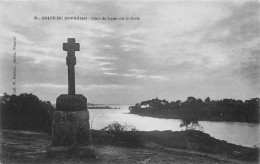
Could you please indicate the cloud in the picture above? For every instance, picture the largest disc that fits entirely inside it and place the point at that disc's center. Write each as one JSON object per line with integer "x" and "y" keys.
{"x": 93, "y": 87}
{"x": 44, "y": 85}
{"x": 240, "y": 26}
{"x": 237, "y": 36}
{"x": 249, "y": 68}
{"x": 128, "y": 75}
{"x": 180, "y": 47}
{"x": 110, "y": 73}
{"x": 158, "y": 77}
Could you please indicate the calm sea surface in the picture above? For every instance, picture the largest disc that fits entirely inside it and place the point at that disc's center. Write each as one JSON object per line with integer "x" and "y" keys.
{"x": 246, "y": 134}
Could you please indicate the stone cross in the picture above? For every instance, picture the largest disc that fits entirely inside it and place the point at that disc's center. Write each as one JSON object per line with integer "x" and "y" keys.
{"x": 71, "y": 47}
{"x": 71, "y": 133}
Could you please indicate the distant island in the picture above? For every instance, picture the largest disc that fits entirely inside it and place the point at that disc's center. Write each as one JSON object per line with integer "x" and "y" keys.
{"x": 99, "y": 106}
{"x": 197, "y": 109}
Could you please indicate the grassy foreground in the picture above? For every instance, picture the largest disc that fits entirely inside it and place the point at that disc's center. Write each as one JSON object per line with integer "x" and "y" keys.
{"x": 188, "y": 140}
{"x": 131, "y": 147}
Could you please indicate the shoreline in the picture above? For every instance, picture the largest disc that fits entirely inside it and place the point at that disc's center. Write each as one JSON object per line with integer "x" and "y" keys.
{"x": 101, "y": 107}
{"x": 165, "y": 116}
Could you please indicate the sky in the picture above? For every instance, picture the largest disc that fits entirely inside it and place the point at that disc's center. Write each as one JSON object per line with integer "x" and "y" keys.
{"x": 175, "y": 50}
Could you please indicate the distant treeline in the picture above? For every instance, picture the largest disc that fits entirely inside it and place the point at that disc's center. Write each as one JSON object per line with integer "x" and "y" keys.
{"x": 99, "y": 107}
{"x": 25, "y": 112}
{"x": 197, "y": 109}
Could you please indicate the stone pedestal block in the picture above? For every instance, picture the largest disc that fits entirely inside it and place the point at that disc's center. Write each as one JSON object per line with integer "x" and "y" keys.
{"x": 71, "y": 129}
{"x": 67, "y": 102}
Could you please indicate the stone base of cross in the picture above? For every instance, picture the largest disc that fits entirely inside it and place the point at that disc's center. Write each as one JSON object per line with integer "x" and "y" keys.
{"x": 71, "y": 129}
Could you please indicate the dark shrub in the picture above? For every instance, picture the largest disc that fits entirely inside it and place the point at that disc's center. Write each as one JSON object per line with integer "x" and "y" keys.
{"x": 127, "y": 134}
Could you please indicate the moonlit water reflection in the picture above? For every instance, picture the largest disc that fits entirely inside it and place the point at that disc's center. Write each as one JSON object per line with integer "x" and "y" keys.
{"x": 245, "y": 134}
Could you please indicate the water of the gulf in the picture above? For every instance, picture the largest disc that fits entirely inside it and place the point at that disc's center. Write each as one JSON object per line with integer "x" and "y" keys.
{"x": 245, "y": 134}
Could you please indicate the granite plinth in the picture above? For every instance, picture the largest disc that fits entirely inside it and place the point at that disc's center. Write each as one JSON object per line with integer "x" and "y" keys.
{"x": 66, "y": 102}
{"x": 70, "y": 128}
